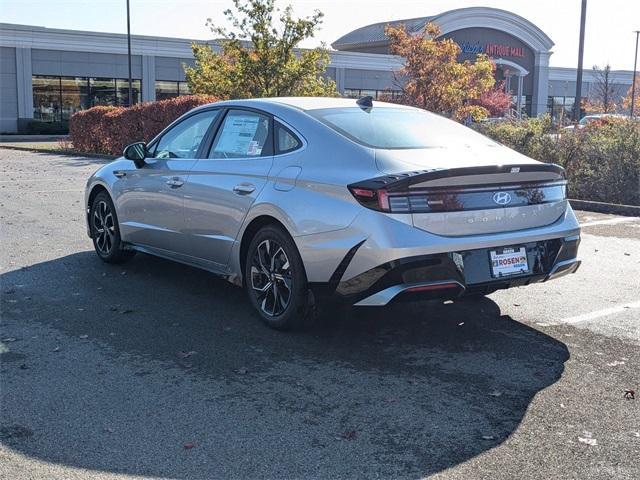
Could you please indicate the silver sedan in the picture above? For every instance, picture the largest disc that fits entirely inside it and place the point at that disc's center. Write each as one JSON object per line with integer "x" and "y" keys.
{"x": 302, "y": 199}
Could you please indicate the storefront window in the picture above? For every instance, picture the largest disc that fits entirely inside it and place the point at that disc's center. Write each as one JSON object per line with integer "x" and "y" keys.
{"x": 74, "y": 95}
{"x": 46, "y": 99}
{"x": 561, "y": 109}
{"x": 55, "y": 99}
{"x": 183, "y": 88}
{"x": 102, "y": 91}
{"x": 168, "y": 89}
{"x": 377, "y": 94}
{"x": 122, "y": 91}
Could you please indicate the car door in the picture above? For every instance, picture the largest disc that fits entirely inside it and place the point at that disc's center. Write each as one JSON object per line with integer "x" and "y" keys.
{"x": 151, "y": 200}
{"x": 222, "y": 187}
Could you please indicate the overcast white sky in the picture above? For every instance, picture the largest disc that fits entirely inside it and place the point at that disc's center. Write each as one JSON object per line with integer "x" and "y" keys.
{"x": 609, "y": 34}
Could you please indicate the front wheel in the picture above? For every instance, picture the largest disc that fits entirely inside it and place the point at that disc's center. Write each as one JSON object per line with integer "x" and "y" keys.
{"x": 105, "y": 231}
{"x": 276, "y": 281}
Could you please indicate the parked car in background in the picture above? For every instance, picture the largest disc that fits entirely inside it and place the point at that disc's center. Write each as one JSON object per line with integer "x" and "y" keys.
{"x": 587, "y": 119}
{"x": 300, "y": 199}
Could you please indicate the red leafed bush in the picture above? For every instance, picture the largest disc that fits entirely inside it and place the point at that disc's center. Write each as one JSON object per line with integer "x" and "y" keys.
{"x": 108, "y": 130}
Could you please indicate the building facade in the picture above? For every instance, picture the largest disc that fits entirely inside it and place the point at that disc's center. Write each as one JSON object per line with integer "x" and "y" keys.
{"x": 46, "y": 74}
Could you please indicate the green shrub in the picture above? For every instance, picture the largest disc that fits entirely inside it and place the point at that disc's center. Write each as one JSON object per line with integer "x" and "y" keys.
{"x": 107, "y": 130}
{"x": 602, "y": 160}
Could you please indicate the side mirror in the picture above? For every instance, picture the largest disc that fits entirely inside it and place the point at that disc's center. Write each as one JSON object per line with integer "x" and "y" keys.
{"x": 136, "y": 152}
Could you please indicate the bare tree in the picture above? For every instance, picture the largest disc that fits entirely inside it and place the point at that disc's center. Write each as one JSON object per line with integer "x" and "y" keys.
{"x": 602, "y": 94}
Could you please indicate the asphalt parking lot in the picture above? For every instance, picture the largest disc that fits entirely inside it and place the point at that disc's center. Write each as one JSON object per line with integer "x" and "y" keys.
{"x": 154, "y": 369}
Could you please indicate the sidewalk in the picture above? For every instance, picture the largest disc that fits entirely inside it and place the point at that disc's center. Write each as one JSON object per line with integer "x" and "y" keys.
{"x": 31, "y": 138}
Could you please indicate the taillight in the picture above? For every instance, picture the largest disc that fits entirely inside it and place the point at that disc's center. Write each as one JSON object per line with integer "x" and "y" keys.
{"x": 381, "y": 200}
{"x": 377, "y": 199}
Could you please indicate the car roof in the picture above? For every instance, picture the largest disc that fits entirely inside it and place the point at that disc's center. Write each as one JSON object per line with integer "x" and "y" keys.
{"x": 307, "y": 103}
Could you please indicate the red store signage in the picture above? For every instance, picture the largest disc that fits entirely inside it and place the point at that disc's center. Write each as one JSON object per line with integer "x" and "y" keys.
{"x": 499, "y": 50}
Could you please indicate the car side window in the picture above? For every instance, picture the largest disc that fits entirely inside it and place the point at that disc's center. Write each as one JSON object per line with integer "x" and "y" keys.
{"x": 243, "y": 134}
{"x": 184, "y": 139}
{"x": 287, "y": 141}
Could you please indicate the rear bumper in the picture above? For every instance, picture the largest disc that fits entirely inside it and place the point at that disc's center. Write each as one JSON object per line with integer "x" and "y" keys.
{"x": 453, "y": 274}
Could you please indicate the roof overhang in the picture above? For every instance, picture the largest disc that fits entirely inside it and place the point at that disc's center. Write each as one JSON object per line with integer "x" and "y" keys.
{"x": 496, "y": 19}
{"x": 472, "y": 17}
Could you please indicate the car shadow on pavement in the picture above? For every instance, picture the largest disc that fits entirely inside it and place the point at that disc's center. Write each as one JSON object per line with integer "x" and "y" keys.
{"x": 154, "y": 368}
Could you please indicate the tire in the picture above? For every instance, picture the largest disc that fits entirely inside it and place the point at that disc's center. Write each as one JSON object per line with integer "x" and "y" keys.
{"x": 276, "y": 281}
{"x": 105, "y": 231}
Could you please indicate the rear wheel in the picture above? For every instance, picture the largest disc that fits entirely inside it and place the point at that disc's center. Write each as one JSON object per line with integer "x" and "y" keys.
{"x": 276, "y": 281}
{"x": 105, "y": 231}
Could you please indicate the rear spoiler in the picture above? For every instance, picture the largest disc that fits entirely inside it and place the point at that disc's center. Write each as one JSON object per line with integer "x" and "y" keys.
{"x": 402, "y": 181}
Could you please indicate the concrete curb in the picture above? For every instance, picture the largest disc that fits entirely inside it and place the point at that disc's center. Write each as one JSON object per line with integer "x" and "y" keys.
{"x": 68, "y": 153}
{"x": 601, "y": 207}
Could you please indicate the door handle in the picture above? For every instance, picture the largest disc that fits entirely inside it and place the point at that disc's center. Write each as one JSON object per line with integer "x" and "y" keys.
{"x": 119, "y": 173}
{"x": 244, "y": 188}
{"x": 175, "y": 182}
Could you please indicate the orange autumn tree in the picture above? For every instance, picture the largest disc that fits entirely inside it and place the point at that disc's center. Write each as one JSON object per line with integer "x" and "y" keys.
{"x": 626, "y": 101}
{"x": 435, "y": 80}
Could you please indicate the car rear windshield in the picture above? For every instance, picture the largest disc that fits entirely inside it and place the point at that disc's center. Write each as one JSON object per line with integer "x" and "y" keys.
{"x": 399, "y": 128}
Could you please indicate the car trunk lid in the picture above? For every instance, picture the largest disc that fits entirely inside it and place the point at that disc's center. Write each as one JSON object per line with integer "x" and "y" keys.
{"x": 475, "y": 197}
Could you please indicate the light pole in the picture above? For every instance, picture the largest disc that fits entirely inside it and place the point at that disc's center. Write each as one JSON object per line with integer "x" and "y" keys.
{"x": 576, "y": 103}
{"x": 633, "y": 82}
{"x": 129, "y": 54}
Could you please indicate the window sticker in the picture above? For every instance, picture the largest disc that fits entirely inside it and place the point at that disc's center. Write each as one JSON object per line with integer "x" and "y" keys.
{"x": 237, "y": 136}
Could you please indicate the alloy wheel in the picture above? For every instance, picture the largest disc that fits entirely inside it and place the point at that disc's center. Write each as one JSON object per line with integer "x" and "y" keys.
{"x": 104, "y": 227}
{"x": 271, "y": 278}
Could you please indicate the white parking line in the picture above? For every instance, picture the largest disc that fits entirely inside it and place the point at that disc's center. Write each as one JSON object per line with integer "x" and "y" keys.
{"x": 599, "y": 313}
{"x": 42, "y": 191}
{"x": 611, "y": 221}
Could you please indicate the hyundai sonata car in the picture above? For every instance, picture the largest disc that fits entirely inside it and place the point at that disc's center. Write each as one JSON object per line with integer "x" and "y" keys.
{"x": 299, "y": 200}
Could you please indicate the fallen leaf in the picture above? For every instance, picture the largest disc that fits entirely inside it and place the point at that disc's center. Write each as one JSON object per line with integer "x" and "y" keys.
{"x": 588, "y": 441}
{"x": 182, "y": 354}
{"x": 349, "y": 435}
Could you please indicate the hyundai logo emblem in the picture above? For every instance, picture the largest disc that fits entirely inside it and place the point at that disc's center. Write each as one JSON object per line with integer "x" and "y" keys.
{"x": 502, "y": 198}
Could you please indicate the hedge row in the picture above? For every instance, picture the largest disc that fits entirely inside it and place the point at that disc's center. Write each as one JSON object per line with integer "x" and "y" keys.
{"x": 108, "y": 130}
{"x": 602, "y": 160}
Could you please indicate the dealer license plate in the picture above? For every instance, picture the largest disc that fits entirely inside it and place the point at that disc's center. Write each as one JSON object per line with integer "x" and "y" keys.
{"x": 508, "y": 261}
